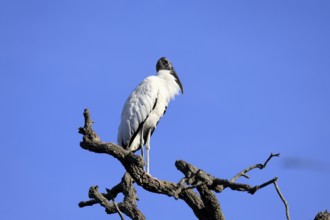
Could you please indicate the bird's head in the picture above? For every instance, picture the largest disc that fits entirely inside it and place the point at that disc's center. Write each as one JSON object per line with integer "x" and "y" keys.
{"x": 165, "y": 64}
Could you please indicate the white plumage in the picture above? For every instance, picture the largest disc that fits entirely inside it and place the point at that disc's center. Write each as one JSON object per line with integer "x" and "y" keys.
{"x": 145, "y": 106}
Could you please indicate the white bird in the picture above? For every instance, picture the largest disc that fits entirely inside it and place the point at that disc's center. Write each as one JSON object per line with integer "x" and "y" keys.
{"x": 145, "y": 106}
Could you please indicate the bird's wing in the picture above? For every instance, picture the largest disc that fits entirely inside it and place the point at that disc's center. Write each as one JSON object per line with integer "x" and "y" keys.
{"x": 136, "y": 109}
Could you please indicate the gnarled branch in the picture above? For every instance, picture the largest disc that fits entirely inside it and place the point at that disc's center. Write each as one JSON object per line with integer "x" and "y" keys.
{"x": 204, "y": 204}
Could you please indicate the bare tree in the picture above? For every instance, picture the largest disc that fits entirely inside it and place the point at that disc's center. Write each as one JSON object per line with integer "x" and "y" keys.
{"x": 197, "y": 188}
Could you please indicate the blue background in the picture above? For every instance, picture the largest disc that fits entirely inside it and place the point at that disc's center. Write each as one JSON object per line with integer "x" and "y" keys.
{"x": 256, "y": 76}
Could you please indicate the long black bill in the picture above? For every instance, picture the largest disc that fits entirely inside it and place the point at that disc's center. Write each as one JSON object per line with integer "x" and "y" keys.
{"x": 173, "y": 72}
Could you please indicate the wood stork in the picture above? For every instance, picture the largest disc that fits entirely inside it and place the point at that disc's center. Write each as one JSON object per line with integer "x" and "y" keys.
{"x": 145, "y": 106}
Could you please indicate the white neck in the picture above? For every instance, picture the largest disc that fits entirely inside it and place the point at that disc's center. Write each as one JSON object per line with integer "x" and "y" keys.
{"x": 170, "y": 83}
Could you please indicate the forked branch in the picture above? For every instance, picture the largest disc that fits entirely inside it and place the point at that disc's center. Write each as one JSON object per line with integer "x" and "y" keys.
{"x": 203, "y": 202}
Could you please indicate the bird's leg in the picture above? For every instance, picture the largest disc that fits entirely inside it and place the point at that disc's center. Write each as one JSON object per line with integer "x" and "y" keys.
{"x": 148, "y": 149}
{"x": 141, "y": 143}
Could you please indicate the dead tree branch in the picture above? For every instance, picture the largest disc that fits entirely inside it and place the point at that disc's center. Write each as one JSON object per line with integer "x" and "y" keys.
{"x": 323, "y": 215}
{"x": 134, "y": 166}
{"x": 284, "y": 201}
{"x": 118, "y": 210}
{"x": 260, "y": 166}
{"x": 203, "y": 203}
{"x": 128, "y": 206}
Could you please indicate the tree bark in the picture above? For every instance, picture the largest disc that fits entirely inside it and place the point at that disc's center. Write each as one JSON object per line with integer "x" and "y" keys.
{"x": 197, "y": 188}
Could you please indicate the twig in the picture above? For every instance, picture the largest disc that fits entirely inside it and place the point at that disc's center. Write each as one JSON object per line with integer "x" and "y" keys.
{"x": 284, "y": 201}
{"x": 118, "y": 210}
{"x": 260, "y": 166}
{"x": 195, "y": 177}
{"x": 238, "y": 186}
{"x": 270, "y": 157}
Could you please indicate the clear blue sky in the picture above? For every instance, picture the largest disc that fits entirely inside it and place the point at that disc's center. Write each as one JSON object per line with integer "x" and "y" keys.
{"x": 256, "y": 76}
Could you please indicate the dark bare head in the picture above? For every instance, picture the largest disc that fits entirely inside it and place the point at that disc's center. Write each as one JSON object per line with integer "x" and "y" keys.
{"x": 165, "y": 64}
